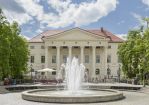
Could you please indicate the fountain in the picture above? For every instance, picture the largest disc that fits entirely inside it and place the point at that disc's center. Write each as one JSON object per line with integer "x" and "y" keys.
{"x": 74, "y": 75}
{"x": 73, "y": 93}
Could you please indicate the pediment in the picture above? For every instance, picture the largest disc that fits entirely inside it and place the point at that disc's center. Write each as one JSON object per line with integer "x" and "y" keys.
{"x": 75, "y": 34}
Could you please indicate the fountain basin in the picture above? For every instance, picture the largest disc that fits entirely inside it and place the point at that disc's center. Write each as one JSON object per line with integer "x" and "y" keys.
{"x": 63, "y": 96}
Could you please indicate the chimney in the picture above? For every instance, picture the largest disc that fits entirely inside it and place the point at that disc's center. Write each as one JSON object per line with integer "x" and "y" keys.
{"x": 102, "y": 29}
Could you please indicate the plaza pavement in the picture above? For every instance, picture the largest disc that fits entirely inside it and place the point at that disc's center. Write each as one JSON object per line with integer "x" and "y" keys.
{"x": 132, "y": 98}
{"x": 140, "y": 97}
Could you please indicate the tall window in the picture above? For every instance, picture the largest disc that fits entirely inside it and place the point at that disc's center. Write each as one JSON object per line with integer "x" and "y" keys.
{"x": 86, "y": 58}
{"x": 42, "y": 59}
{"x": 109, "y": 59}
{"x": 97, "y": 58}
{"x": 54, "y": 59}
{"x": 64, "y": 58}
{"x": 32, "y": 59}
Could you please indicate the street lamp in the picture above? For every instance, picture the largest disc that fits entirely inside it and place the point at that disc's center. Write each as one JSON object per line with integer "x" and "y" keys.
{"x": 119, "y": 72}
{"x": 108, "y": 71}
{"x": 31, "y": 70}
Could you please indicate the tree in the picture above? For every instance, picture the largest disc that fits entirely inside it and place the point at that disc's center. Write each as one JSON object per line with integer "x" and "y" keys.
{"x": 19, "y": 52}
{"x": 13, "y": 49}
{"x": 128, "y": 54}
{"x": 134, "y": 53}
{"x": 147, "y": 21}
{"x": 4, "y": 45}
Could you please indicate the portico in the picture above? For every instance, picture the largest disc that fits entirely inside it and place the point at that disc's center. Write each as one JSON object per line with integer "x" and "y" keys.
{"x": 62, "y": 52}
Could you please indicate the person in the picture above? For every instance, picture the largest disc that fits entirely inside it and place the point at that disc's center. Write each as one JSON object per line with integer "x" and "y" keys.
{"x": 14, "y": 82}
{"x": 6, "y": 81}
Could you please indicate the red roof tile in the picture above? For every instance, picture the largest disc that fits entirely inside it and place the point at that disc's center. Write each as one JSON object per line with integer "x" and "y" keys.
{"x": 100, "y": 32}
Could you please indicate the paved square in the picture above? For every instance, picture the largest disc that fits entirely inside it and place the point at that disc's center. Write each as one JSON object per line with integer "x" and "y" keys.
{"x": 132, "y": 98}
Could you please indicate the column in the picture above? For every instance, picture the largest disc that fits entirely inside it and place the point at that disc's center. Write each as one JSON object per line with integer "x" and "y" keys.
{"x": 46, "y": 57}
{"x": 58, "y": 57}
{"x": 70, "y": 51}
{"x": 82, "y": 54}
{"x": 105, "y": 59}
{"x": 93, "y": 60}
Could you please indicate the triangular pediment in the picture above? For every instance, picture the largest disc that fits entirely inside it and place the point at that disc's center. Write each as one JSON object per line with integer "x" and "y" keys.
{"x": 75, "y": 34}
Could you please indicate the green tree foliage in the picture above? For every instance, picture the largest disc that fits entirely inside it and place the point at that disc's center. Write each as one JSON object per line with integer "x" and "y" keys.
{"x": 147, "y": 21}
{"x": 13, "y": 49}
{"x": 134, "y": 53}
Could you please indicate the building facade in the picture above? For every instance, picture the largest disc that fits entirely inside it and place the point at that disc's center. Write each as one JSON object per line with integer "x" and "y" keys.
{"x": 96, "y": 49}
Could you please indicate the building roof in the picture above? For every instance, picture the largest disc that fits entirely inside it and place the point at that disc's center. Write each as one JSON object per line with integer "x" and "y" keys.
{"x": 101, "y": 32}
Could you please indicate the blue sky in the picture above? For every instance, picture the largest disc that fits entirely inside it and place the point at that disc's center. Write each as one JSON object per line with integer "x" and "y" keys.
{"x": 36, "y": 16}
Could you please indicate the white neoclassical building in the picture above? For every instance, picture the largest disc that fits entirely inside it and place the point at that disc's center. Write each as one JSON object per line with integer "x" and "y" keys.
{"x": 96, "y": 49}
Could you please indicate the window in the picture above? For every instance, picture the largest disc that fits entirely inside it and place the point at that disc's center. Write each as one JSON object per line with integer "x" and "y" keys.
{"x": 32, "y": 59}
{"x": 64, "y": 47}
{"x": 86, "y": 47}
{"x": 42, "y": 47}
{"x": 54, "y": 59}
{"x": 42, "y": 59}
{"x": 32, "y": 47}
{"x": 109, "y": 47}
{"x": 64, "y": 58}
{"x": 53, "y": 47}
{"x": 109, "y": 59}
{"x": 53, "y": 72}
{"x": 86, "y": 58}
{"x": 97, "y": 58}
{"x": 97, "y": 72}
{"x": 75, "y": 47}
{"x": 98, "y": 47}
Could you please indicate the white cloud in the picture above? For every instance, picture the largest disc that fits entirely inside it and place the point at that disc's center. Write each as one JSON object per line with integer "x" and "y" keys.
{"x": 39, "y": 31}
{"x": 140, "y": 21}
{"x": 31, "y": 7}
{"x": 138, "y": 18}
{"x": 65, "y": 12}
{"x": 146, "y": 2}
{"x": 24, "y": 36}
{"x": 80, "y": 14}
{"x": 122, "y": 36}
{"x": 21, "y": 18}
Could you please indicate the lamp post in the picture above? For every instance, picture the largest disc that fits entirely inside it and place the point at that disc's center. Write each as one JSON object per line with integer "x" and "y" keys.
{"x": 108, "y": 71}
{"x": 31, "y": 69}
{"x": 119, "y": 73}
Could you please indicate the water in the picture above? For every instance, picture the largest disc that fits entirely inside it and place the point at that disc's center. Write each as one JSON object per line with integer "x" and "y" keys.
{"x": 74, "y": 75}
